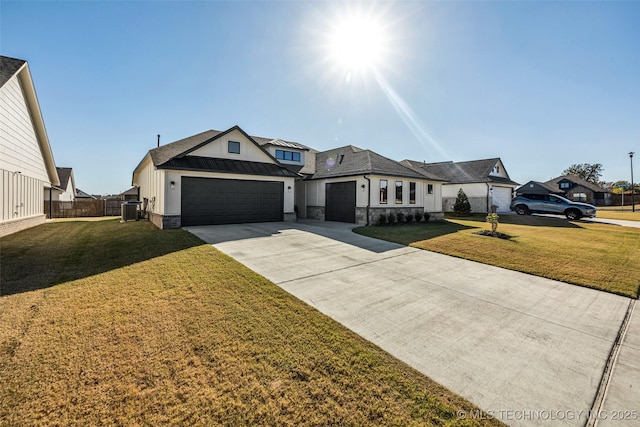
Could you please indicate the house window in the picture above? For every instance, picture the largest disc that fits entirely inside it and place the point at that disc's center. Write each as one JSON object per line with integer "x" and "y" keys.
{"x": 564, "y": 185}
{"x": 412, "y": 193}
{"x": 579, "y": 197}
{"x": 383, "y": 191}
{"x": 234, "y": 147}
{"x": 429, "y": 188}
{"x": 288, "y": 155}
{"x": 398, "y": 192}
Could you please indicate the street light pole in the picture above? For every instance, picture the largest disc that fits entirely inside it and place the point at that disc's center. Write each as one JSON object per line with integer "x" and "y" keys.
{"x": 633, "y": 190}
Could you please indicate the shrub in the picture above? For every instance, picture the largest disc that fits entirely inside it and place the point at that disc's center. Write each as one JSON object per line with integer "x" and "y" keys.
{"x": 427, "y": 215}
{"x": 382, "y": 219}
{"x": 410, "y": 218}
{"x": 391, "y": 218}
{"x": 400, "y": 217}
{"x": 462, "y": 206}
{"x": 418, "y": 216}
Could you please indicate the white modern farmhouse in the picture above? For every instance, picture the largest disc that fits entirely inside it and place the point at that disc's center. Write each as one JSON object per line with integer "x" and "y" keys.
{"x": 26, "y": 161}
{"x": 224, "y": 177}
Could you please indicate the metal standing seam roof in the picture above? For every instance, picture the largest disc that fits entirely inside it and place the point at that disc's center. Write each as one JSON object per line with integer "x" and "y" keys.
{"x": 210, "y": 164}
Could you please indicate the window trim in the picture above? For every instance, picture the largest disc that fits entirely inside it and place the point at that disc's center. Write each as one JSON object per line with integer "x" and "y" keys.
{"x": 229, "y": 144}
{"x": 386, "y": 192}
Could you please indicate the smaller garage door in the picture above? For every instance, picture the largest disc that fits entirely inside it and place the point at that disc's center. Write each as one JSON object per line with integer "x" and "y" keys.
{"x": 340, "y": 204}
{"x": 502, "y": 198}
{"x": 207, "y": 201}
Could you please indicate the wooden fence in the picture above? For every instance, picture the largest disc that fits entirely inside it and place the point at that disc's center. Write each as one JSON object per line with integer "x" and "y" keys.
{"x": 82, "y": 208}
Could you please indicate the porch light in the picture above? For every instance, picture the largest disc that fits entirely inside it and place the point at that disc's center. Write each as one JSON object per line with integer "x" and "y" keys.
{"x": 289, "y": 189}
{"x": 172, "y": 184}
{"x": 363, "y": 187}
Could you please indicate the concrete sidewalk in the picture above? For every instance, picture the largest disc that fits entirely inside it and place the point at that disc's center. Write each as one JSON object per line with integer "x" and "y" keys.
{"x": 516, "y": 345}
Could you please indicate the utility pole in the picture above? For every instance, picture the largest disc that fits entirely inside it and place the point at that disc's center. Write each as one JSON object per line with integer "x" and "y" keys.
{"x": 633, "y": 189}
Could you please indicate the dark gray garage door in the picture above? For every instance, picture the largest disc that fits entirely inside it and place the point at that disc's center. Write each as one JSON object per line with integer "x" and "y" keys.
{"x": 229, "y": 201}
{"x": 341, "y": 201}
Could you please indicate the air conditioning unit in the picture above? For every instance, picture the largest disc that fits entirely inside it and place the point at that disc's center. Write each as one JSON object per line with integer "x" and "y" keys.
{"x": 129, "y": 212}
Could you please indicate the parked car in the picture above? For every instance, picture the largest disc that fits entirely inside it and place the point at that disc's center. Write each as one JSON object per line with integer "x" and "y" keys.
{"x": 526, "y": 204}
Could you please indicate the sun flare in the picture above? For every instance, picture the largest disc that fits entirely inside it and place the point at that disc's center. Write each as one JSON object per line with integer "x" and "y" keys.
{"x": 356, "y": 42}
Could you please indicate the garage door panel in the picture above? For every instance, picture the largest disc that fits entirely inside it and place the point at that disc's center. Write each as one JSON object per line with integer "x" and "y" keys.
{"x": 226, "y": 201}
{"x": 340, "y": 204}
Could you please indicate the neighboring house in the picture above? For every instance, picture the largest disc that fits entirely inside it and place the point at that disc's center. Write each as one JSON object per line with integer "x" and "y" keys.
{"x": 84, "y": 195}
{"x": 130, "y": 194}
{"x": 579, "y": 190}
{"x": 485, "y": 182}
{"x": 355, "y": 185}
{"x": 535, "y": 187}
{"x": 66, "y": 190}
{"x": 27, "y": 166}
{"x": 215, "y": 177}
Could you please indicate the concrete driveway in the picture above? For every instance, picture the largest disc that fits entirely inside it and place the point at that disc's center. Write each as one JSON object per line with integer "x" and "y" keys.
{"x": 531, "y": 351}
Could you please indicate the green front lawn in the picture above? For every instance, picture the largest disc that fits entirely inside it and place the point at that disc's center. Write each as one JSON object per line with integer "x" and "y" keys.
{"x": 599, "y": 256}
{"x": 103, "y": 323}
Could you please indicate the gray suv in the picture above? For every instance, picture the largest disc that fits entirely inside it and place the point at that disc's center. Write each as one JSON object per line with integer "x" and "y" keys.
{"x": 525, "y": 204}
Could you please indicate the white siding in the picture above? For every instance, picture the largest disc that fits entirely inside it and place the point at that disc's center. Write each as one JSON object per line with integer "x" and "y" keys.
{"x": 471, "y": 190}
{"x": 19, "y": 148}
{"x": 219, "y": 149}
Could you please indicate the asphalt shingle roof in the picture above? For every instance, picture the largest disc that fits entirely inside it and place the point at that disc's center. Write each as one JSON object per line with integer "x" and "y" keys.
{"x": 576, "y": 180}
{"x": 464, "y": 172}
{"x": 351, "y": 160}
{"x": 9, "y": 67}
{"x": 64, "y": 174}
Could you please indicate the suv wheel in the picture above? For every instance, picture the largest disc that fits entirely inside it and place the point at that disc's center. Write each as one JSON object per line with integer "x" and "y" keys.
{"x": 572, "y": 214}
{"x": 522, "y": 210}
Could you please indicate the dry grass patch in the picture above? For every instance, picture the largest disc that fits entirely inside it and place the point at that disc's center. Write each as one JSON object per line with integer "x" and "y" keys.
{"x": 599, "y": 256}
{"x": 176, "y": 333}
{"x": 618, "y": 213}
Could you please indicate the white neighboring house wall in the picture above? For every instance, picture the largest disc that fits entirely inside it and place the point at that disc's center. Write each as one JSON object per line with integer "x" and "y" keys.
{"x": 26, "y": 161}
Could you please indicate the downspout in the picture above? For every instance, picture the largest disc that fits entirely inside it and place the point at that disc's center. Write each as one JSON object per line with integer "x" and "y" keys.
{"x": 51, "y": 202}
{"x": 488, "y": 193}
{"x": 368, "y": 196}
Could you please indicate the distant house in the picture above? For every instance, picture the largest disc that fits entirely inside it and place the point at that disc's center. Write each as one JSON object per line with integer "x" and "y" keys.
{"x": 579, "y": 190}
{"x": 130, "y": 194}
{"x": 535, "y": 187}
{"x": 485, "y": 182}
{"x": 27, "y": 167}
{"x": 84, "y": 195}
{"x": 66, "y": 190}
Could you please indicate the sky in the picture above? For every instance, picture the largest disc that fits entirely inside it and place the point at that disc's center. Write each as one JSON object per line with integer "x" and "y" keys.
{"x": 542, "y": 85}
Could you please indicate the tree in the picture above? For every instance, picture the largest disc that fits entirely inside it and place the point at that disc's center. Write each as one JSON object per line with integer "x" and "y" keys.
{"x": 462, "y": 205}
{"x": 590, "y": 173}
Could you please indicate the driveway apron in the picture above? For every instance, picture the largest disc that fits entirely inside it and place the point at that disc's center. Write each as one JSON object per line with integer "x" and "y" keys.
{"x": 528, "y": 350}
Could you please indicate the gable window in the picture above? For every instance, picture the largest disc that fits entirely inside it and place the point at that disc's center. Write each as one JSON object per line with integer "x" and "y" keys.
{"x": 383, "y": 191}
{"x": 234, "y": 147}
{"x": 564, "y": 185}
{"x": 292, "y": 156}
{"x": 496, "y": 170}
{"x": 429, "y": 188}
{"x": 412, "y": 193}
{"x": 398, "y": 192}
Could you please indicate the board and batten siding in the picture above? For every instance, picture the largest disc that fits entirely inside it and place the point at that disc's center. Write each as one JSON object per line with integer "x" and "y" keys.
{"x": 150, "y": 181}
